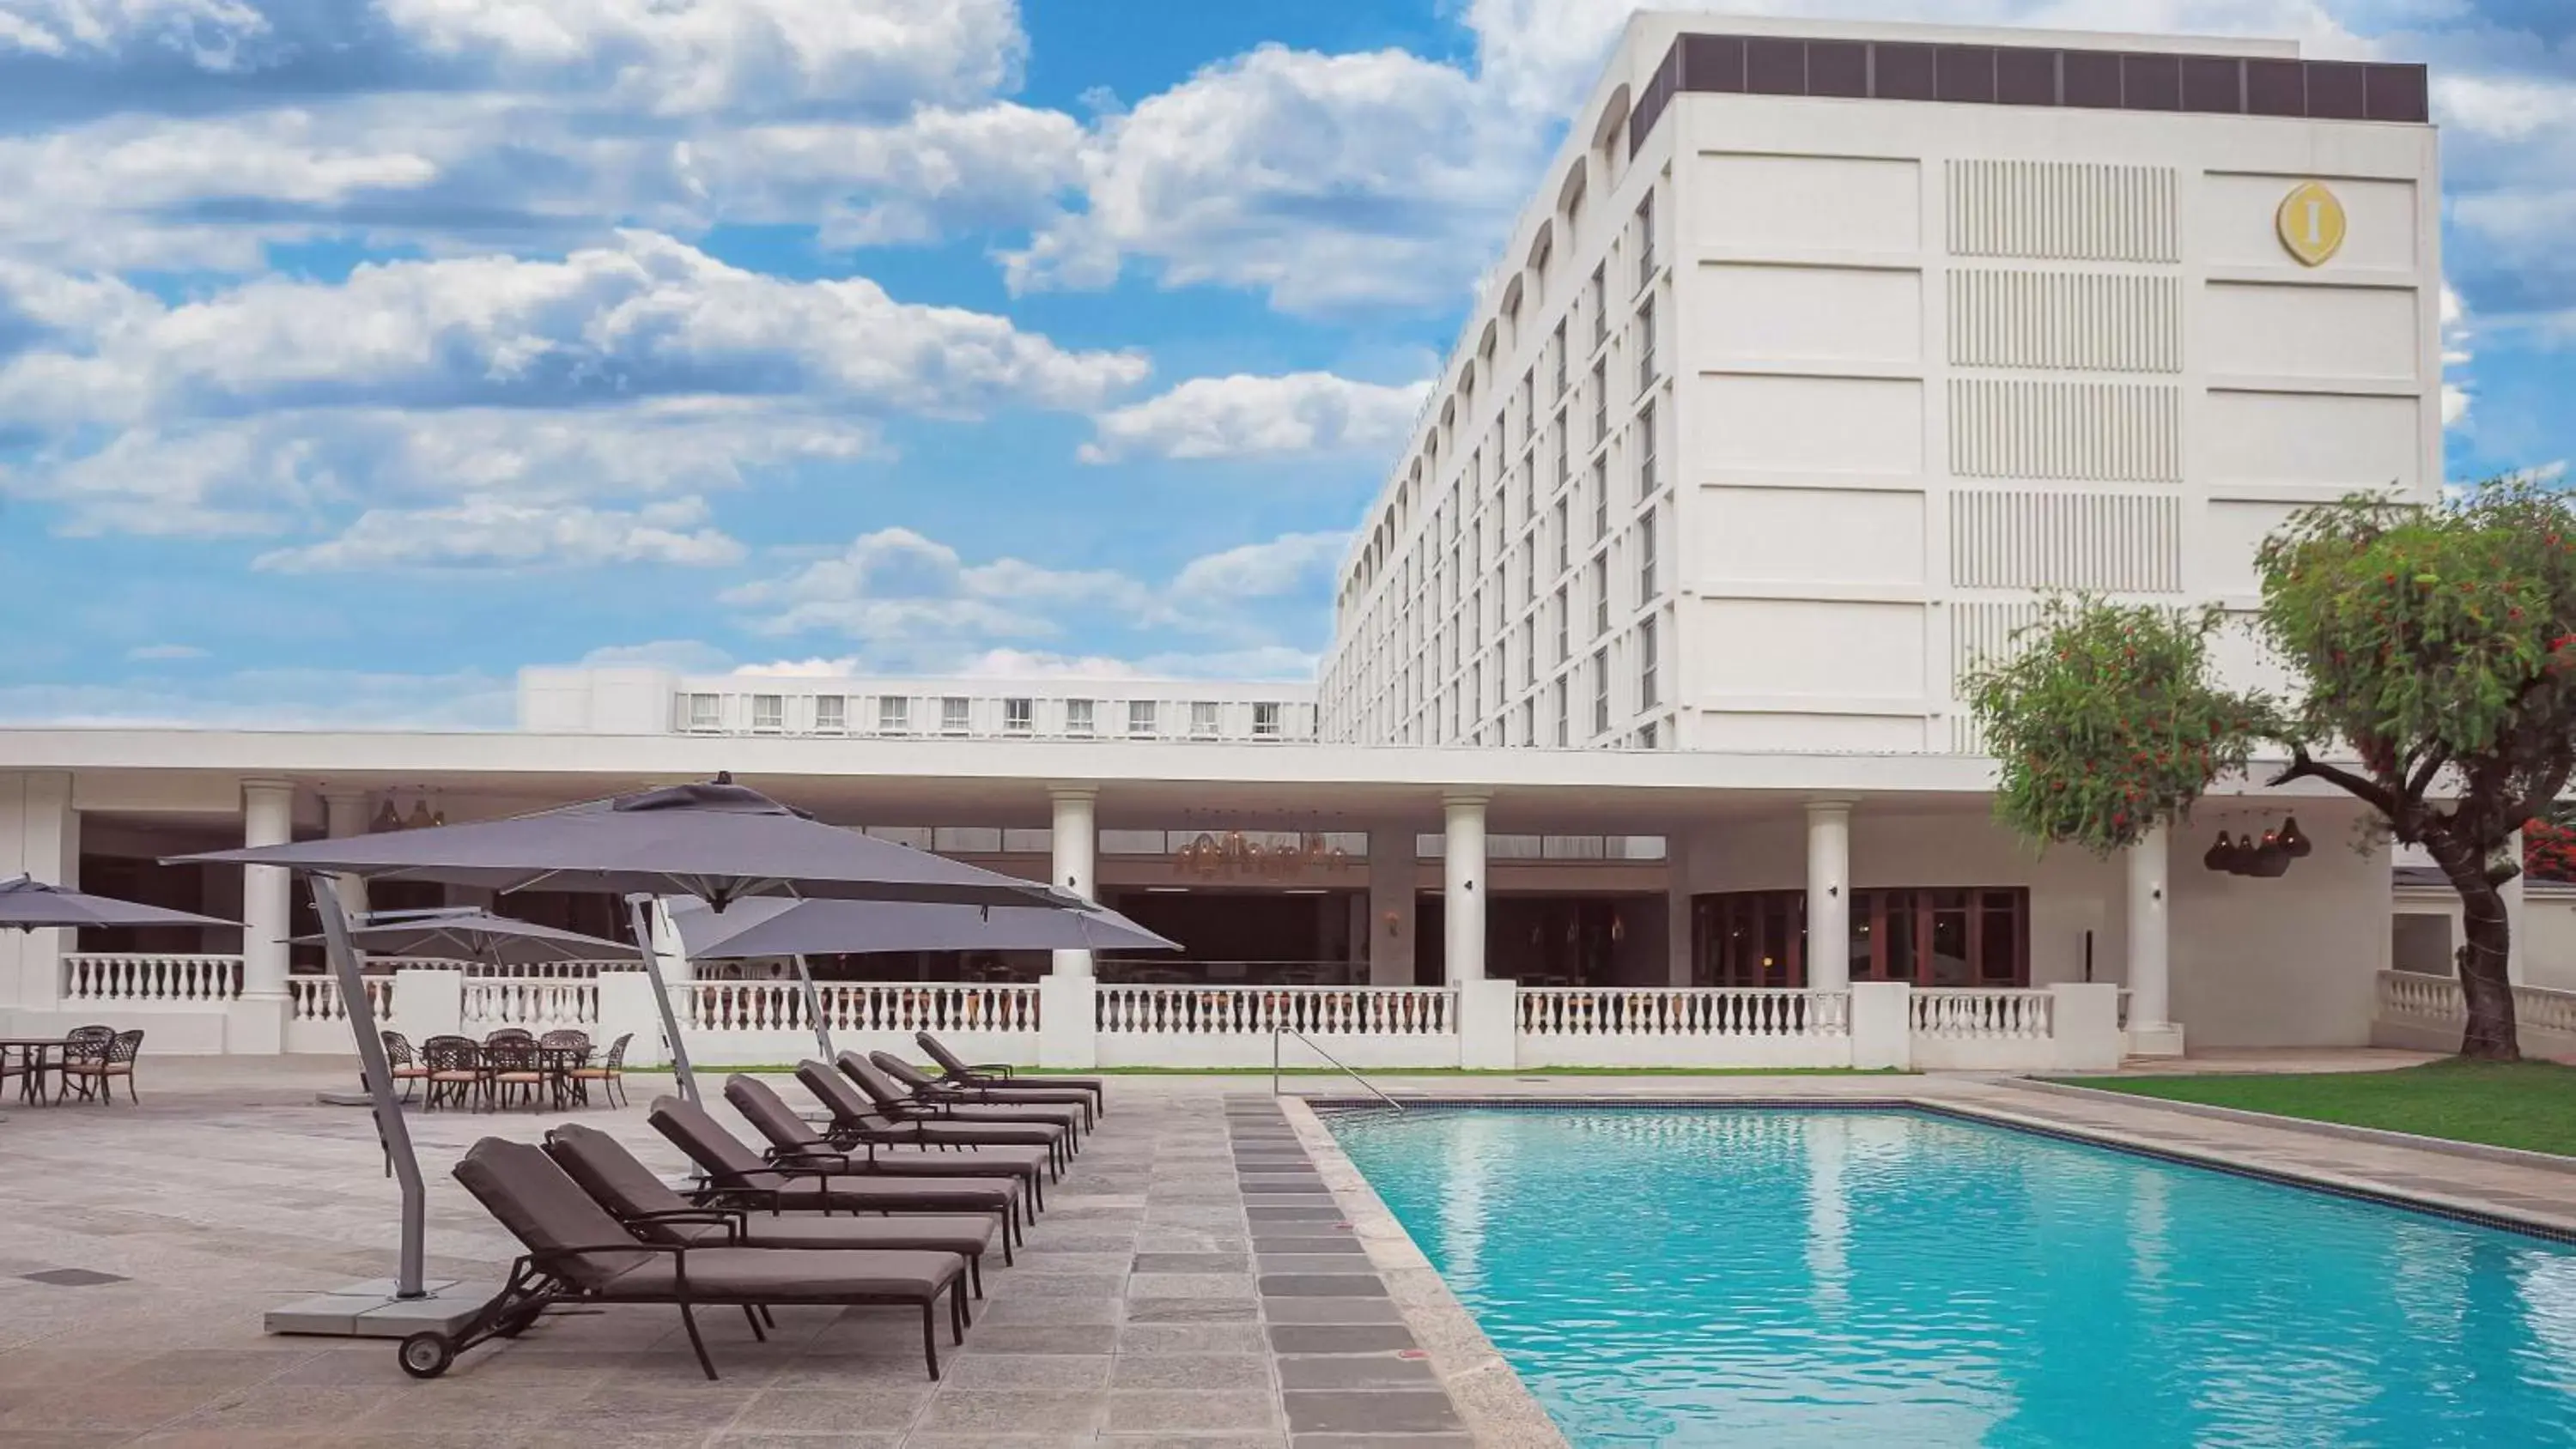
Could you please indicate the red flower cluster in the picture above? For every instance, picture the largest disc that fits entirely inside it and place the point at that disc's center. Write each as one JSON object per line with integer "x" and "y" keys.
{"x": 2548, "y": 851}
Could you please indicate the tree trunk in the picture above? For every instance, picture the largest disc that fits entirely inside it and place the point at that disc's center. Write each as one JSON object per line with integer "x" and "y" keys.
{"x": 2490, "y": 1034}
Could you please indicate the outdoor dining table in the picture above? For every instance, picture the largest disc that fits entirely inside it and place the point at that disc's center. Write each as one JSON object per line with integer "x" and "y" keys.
{"x": 38, "y": 1054}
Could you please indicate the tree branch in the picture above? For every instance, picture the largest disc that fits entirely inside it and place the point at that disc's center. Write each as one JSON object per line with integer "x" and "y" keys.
{"x": 2370, "y": 792}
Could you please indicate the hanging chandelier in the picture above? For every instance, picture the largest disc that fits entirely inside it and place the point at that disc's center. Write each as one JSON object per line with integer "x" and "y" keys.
{"x": 1234, "y": 854}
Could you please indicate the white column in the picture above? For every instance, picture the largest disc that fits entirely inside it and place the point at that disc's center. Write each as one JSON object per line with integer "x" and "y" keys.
{"x": 39, "y": 837}
{"x": 1829, "y": 895}
{"x": 344, "y": 814}
{"x": 1391, "y": 876}
{"x": 1677, "y": 910}
{"x": 1077, "y": 842}
{"x": 1462, "y": 911}
{"x": 256, "y": 1024}
{"x": 2149, "y": 946}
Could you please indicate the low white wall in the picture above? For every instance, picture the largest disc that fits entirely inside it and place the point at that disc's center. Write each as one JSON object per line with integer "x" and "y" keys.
{"x": 788, "y": 1047}
{"x": 1244, "y": 1049}
{"x": 1683, "y": 1051}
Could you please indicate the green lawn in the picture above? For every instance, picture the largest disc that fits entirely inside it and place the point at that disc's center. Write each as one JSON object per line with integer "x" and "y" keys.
{"x": 2531, "y": 1105}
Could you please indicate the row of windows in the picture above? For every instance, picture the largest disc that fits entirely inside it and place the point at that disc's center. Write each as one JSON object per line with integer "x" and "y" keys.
{"x": 895, "y": 715}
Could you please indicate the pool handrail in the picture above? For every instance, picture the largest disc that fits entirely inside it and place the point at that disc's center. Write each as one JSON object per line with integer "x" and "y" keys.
{"x": 1277, "y": 1032}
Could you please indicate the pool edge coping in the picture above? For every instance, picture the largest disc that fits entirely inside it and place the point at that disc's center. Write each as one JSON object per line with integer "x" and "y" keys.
{"x": 1486, "y": 1390}
{"x": 2349, "y": 1131}
{"x": 2462, "y": 1210}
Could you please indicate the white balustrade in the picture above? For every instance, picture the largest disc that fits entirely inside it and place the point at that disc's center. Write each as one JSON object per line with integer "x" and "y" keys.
{"x": 317, "y": 998}
{"x": 1258, "y": 1010}
{"x": 2538, "y": 1008}
{"x": 536, "y": 1003}
{"x": 535, "y": 971}
{"x": 1370, "y": 1027}
{"x": 855, "y": 1006}
{"x": 2426, "y": 998}
{"x": 1981, "y": 1013}
{"x": 147, "y": 979}
{"x": 1682, "y": 1011}
{"x": 2427, "y": 1013}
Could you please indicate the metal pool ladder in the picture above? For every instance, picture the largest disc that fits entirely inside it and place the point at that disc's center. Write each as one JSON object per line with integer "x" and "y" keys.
{"x": 1277, "y": 1032}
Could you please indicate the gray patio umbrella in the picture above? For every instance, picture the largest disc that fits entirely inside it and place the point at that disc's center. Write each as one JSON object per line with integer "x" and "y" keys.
{"x": 717, "y": 841}
{"x": 800, "y": 928}
{"x": 468, "y": 934}
{"x": 28, "y": 904}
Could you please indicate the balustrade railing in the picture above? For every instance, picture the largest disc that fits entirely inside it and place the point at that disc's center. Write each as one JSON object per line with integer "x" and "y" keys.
{"x": 532, "y": 1002}
{"x": 1257, "y": 1010}
{"x": 851, "y": 1006}
{"x": 535, "y": 971}
{"x": 1682, "y": 1011}
{"x": 317, "y": 998}
{"x": 2438, "y": 998}
{"x": 1962, "y": 1013}
{"x": 123, "y": 977}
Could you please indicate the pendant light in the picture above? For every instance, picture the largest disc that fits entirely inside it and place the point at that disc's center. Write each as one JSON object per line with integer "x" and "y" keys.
{"x": 2222, "y": 853}
{"x": 2270, "y": 859}
{"x": 2294, "y": 840}
{"x": 2240, "y": 861}
{"x": 385, "y": 819}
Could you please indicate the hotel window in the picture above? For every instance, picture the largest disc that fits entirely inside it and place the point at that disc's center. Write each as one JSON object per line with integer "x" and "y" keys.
{"x": 1646, "y": 735}
{"x": 1564, "y": 454}
{"x": 1646, "y": 559}
{"x": 768, "y": 713}
{"x": 705, "y": 713}
{"x": 1563, "y": 724}
{"x": 1601, "y": 498}
{"x": 1646, "y": 480}
{"x": 1019, "y": 716}
{"x": 1564, "y": 539}
{"x": 1564, "y": 613}
{"x": 1976, "y": 936}
{"x": 1600, "y": 304}
{"x": 894, "y": 716}
{"x": 1476, "y": 685}
{"x": 1646, "y": 695}
{"x": 1645, "y": 241}
{"x": 1601, "y": 402}
{"x": 1529, "y": 403}
{"x": 1140, "y": 716}
{"x": 831, "y": 714}
{"x": 1600, "y": 691}
{"x": 1600, "y": 594}
{"x": 1203, "y": 718}
{"x": 954, "y": 714}
{"x": 1077, "y": 717}
{"x": 1560, "y": 359}
{"x": 1646, "y": 345}
{"x": 1529, "y": 653}
{"x": 1265, "y": 721}
{"x": 1529, "y": 721}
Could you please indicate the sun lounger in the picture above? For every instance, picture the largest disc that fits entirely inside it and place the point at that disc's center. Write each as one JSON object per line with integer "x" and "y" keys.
{"x": 637, "y": 1197}
{"x": 998, "y": 1074}
{"x": 578, "y": 1253}
{"x": 913, "y": 1077}
{"x": 953, "y": 1104}
{"x": 854, "y": 1119}
{"x": 730, "y": 1166}
{"x": 793, "y": 1139}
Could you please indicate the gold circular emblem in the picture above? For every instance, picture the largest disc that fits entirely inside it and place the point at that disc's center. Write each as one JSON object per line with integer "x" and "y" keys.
{"x": 2311, "y": 223}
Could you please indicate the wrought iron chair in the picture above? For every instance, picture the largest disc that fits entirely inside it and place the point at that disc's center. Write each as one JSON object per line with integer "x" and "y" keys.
{"x": 454, "y": 1069}
{"x": 406, "y": 1067}
{"x": 82, "y": 1046}
{"x": 509, "y": 1065}
{"x": 610, "y": 1074}
{"x": 95, "y": 1073}
{"x": 561, "y": 1052}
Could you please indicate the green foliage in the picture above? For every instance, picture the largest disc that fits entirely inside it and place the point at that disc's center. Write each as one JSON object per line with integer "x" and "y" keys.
{"x": 2105, "y": 723}
{"x": 2434, "y": 639}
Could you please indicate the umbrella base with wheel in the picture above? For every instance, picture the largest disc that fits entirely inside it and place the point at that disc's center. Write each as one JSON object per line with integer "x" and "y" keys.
{"x": 369, "y": 1309}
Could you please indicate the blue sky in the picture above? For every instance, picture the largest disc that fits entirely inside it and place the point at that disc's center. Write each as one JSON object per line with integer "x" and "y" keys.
{"x": 354, "y": 353}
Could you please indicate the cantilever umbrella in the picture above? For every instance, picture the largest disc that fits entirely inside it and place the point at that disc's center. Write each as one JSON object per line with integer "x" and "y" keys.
{"x": 28, "y": 904}
{"x": 717, "y": 841}
{"x": 801, "y": 928}
{"x": 469, "y": 934}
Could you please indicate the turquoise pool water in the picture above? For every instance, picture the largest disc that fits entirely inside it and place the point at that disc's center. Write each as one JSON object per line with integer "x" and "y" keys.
{"x": 1780, "y": 1277}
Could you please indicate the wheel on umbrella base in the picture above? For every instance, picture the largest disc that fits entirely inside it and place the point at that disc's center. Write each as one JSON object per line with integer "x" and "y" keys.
{"x": 427, "y": 1355}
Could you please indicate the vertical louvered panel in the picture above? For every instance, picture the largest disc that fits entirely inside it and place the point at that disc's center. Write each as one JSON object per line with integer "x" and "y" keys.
{"x": 2107, "y": 432}
{"x": 2074, "y": 211}
{"x": 2066, "y": 321}
{"x": 2102, "y": 542}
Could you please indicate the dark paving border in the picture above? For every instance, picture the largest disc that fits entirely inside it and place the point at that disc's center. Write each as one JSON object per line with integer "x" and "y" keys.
{"x": 1351, "y": 1373}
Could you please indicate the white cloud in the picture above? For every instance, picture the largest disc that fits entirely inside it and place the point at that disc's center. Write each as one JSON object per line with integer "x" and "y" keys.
{"x": 687, "y": 656}
{"x": 679, "y": 56}
{"x": 487, "y": 533}
{"x": 910, "y": 182}
{"x": 149, "y": 653}
{"x": 1326, "y": 181}
{"x": 1241, "y": 416}
{"x": 209, "y": 32}
{"x": 895, "y": 586}
{"x": 2457, "y": 391}
{"x": 1261, "y": 570}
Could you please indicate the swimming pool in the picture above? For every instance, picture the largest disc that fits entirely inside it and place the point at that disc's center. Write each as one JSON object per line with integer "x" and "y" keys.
{"x": 1787, "y": 1277}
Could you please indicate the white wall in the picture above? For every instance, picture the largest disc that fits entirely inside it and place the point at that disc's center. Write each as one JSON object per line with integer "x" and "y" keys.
{"x": 2286, "y": 962}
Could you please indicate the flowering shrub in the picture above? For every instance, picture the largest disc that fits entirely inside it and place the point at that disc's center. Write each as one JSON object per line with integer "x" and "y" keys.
{"x": 2549, "y": 851}
{"x": 2105, "y": 724}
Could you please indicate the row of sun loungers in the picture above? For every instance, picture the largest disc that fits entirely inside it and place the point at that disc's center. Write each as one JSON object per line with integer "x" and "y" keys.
{"x": 894, "y": 1200}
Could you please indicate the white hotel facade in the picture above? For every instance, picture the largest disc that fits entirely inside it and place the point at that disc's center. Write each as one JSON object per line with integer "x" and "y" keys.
{"x": 1821, "y": 355}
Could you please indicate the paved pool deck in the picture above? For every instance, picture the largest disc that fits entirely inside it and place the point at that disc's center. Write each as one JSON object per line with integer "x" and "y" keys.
{"x": 1209, "y": 1274}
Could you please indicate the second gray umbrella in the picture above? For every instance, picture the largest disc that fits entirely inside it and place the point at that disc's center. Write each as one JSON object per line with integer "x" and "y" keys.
{"x": 768, "y": 926}
{"x": 28, "y": 904}
{"x": 467, "y": 934}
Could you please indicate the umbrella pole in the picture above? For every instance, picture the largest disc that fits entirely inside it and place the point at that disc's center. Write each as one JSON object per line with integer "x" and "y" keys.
{"x": 390, "y": 1126}
{"x": 638, "y": 908}
{"x": 814, "y": 1009}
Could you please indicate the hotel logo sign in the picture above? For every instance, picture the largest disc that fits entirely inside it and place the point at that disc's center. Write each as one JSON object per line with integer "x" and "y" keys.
{"x": 2311, "y": 223}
